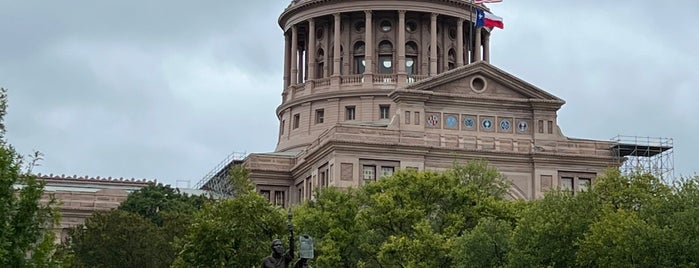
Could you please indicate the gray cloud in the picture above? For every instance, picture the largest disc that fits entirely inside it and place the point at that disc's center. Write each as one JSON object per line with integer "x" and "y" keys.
{"x": 166, "y": 89}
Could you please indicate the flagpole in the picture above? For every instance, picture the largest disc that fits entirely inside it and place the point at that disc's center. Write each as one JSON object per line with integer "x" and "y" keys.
{"x": 470, "y": 35}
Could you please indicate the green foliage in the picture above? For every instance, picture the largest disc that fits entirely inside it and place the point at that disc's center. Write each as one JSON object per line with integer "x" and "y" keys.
{"x": 487, "y": 245}
{"x": 26, "y": 238}
{"x": 119, "y": 239}
{"x": 232, "y": 233}
{"x": 330, "y": 220}
{"x": 411, "y": 219}
{"x": 235, "y": 232}
{"x": 156, "y": 200}
{"x": 549, "y": 229}
{"x": 622, "y": 239}
{"x": 159, "y": 216}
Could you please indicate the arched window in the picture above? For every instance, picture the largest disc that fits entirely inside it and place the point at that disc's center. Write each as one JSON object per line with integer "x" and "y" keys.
{"x": 411, "y": 54}
{"x": 359, "y": 63}
{"x": 385, "y": 57}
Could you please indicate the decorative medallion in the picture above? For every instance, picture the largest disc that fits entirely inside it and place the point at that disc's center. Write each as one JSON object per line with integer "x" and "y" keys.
{"x": 505, "y": 125}
{"x": 522, "y": 126}
{"x": 433, "y": 120}
{"x": 451, "y": 121}
{"x": 487, "y": 124}
{"x": 469, "y": 122}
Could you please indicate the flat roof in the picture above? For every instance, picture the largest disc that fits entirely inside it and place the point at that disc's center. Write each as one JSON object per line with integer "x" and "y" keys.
{"x": 626, "y": 149}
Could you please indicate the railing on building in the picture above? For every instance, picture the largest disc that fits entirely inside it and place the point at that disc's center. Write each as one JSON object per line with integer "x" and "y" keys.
{"x": 216, "y": 180}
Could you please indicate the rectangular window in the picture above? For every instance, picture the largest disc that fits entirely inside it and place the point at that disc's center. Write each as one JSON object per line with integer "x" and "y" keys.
{"x": 417, "y": 118}
{"x": 281, "y": 127}
{"x": 386, "y": 64}
{"x": 407, "y": 117}
{"x": 575, "y": 181}
{"x": 323, "y": 179}
{"x": 369, "y": 173}
{"x": 567, "y": 183}
{"x": 386, "y": 171}
{"x": 279, "y": 198}
{"x": 410, "y": 65}
{"x": 349, "y": 113}
{"x": 297, "y": 118}
{"x": 359, "y": 65}
{"x": 550, "y": 127}
{"x": 299, "y": 189}
{"x": 584, "y": 184}
{"x": 384, "y": 111}
{"x": 266, "y": 195}
{"x": 309, "y": 188}
{"x": 320, "y": 114}
{"x": 541, "y": 126}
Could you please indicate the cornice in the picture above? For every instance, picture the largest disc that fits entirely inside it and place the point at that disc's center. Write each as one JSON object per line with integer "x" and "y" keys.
{"x": 455, "y": 8}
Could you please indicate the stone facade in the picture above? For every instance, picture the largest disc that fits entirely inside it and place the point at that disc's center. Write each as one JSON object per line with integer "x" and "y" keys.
{"x": 364, "y": 95}
{"x": 80, "y": 197}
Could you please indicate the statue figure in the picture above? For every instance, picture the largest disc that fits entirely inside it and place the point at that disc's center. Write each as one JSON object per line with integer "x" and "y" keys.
{"x": 279, "y": 258}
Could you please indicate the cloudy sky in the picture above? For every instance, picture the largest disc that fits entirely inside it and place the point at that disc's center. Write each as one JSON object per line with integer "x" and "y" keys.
{"x": 167, "y": 89}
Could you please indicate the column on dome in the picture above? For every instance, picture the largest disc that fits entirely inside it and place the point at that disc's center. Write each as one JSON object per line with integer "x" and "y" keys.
{"x": 433, "y": 44}
{"x": 294, "y": 55}
{"x": 311, "y": 50}
{"x": 335, "y": 79}
{"x": 486, "y": 47}
{"x": 402, "y": 77}
{"x": 287, "y": 58}
{"x": 477, "y": 49}
{"x": 368, "y": 48}
{"x": 336, "y": 46}
{"x": 302, "y": 63}
{"x": 459, "y": 42}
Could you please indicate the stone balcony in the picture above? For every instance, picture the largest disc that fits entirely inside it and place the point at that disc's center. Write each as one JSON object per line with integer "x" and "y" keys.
{"x": 350, "y": 82}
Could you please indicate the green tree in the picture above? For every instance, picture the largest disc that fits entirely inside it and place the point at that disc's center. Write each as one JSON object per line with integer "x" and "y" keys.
{"x": 26, "y": 236}
{"x": 549, "y": 229}
{"x": 157, "y": 200}
{"x": 234, "y": 232}
{"x": 621, "y": 239}
{"x": 487, "y": 245}
{"x": 119, "y": 239}
{"x": 330, "y": 220}
{"x": 157, "y": 213}
{"x": 410, "y": 219}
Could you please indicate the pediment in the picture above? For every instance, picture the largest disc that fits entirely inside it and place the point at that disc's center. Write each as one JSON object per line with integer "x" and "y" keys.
{"x": 482, "y": 80}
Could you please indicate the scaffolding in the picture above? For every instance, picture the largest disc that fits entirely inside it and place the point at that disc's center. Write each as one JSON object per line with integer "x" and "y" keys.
{"x": 652, "y": 155}
{"x": 216, "y": 181}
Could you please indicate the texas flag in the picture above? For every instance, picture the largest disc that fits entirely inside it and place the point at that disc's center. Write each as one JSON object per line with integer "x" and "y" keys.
{"x": 485, "y": 19}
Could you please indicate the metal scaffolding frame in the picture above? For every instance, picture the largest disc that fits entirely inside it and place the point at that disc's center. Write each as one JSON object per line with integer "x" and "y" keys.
{"x": 652, "y": 155}
{"x": 216, "y": 181}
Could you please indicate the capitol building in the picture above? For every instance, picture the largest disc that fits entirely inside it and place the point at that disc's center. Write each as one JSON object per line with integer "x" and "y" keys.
{"x": 373, "y": 86}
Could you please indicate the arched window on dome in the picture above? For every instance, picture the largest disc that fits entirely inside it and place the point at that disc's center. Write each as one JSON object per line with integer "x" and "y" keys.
{"x": 358, "y": 56}
{"x": 385, "y": 57}
{"x": 320, "y": 63}
{"x": 411, "y": 56}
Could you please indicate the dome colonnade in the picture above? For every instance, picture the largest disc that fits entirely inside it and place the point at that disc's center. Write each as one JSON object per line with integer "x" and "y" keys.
{"x": 334, "y": 44}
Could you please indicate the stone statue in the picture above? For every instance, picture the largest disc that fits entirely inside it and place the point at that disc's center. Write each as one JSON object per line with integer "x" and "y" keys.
{"x": 279, "y": 258}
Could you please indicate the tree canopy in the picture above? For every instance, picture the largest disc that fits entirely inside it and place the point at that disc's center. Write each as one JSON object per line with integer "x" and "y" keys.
{"x": 142, "y": 232}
